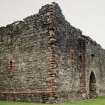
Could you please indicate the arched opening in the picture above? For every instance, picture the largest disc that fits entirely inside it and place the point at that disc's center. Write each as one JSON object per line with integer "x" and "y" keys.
{"x": 92, "y": 85}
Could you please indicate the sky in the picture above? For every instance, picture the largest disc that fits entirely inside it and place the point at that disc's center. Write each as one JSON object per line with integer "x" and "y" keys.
{"x": 87, "y": 15}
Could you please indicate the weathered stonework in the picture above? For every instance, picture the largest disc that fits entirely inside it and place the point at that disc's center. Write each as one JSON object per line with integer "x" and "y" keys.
{"x": 45, "y": 59}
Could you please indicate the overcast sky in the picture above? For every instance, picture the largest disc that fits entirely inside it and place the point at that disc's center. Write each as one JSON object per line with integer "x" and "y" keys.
{"x": 87, "y": 15}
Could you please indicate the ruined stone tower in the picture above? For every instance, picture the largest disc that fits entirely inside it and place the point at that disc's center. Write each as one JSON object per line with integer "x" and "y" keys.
{"x": 45, "y": 59}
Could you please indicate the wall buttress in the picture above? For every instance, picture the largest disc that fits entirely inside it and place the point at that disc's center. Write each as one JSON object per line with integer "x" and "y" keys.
{"x": 52, "y": 64}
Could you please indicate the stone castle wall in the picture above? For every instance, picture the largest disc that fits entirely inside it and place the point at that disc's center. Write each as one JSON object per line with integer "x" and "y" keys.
{"x": 23, "y": 57}
{"x": 44, "y": 58}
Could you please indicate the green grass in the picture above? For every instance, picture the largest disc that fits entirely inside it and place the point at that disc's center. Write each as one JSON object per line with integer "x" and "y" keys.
{"x": 97, "y": 101}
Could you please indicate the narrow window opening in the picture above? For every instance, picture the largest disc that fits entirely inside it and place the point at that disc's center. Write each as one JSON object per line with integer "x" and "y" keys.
{"x": 80, "y": 58}
{"x": 92, "y": 56}
{"x": 11, "y": 64}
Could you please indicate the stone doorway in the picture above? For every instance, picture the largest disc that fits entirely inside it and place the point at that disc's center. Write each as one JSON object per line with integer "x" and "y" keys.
{"x": 92, "y": 85}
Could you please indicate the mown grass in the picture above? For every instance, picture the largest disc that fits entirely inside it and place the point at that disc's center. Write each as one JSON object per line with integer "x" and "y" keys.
{"x": 96, "y": 101}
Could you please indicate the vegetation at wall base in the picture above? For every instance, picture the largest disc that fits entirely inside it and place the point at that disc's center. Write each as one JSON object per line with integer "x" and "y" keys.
{"x": 95, "y": 101}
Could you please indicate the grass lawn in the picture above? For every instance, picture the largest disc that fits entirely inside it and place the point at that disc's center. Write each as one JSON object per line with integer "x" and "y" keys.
{"x": 97, "y": 101}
